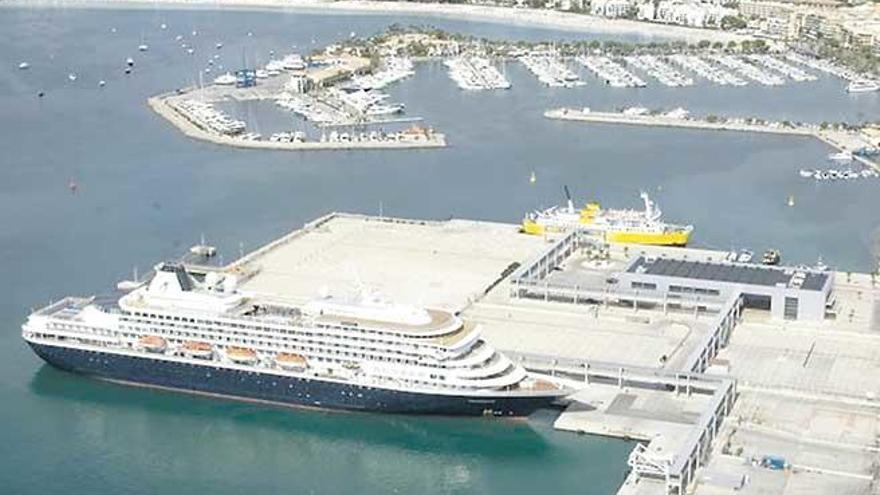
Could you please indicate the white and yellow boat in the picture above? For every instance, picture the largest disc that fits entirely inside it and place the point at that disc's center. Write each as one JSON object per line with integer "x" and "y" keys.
{"x": 620, "y": 226}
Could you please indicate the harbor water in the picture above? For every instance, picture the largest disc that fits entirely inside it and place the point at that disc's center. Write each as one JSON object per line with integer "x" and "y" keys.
{"x": 92, "y": 183}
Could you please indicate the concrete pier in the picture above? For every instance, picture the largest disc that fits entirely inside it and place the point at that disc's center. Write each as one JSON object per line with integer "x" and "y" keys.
{"x": 161, "y": 106}
{"x": 708, "y": 387}
{"x": 841, "y": 140}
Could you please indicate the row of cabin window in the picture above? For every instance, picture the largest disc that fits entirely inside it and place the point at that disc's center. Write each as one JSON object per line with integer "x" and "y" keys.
{"x": 328, "y": 348}
{"x": 250, "y": 327}
{"x": 267, "y": 340}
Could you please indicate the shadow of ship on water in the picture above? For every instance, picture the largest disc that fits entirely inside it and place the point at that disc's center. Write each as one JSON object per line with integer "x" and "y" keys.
{"x": 438, "y": 435}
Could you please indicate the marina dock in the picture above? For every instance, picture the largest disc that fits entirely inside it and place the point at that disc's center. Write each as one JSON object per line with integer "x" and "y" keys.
{"x": 844, "y": 141}
{"x": 710, "y": 386}
{"x": 190, "y": 127}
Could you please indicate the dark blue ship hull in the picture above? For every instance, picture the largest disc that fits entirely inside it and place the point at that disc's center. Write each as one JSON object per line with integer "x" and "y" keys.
{"x": 295, "y": 391}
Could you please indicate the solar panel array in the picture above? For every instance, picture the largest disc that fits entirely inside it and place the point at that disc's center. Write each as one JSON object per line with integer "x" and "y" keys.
{"x": 724, "y": 272}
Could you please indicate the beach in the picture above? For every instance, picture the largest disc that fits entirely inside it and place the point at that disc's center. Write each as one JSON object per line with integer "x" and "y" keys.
{"x": 549, "y": 19}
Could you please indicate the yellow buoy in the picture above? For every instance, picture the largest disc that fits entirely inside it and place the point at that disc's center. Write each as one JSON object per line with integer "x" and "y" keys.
{"x": 533, "y": 178}
{"x": 790, "y": 200}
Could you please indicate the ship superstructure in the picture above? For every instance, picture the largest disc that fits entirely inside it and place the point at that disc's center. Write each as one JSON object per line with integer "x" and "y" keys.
{"x": 615, "y": 225}
{"x": 363, "y": 352}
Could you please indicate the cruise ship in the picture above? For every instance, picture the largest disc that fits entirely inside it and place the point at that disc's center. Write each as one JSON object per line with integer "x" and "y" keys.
{"x": 624, "y": 226}
{"x": 203, "y": 333}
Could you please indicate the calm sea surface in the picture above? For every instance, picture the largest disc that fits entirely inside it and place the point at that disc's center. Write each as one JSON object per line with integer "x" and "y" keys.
{"x": 147, "y": 192}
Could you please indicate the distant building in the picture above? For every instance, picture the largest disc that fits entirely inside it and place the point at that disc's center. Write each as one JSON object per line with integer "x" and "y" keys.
{"x": 577, "y": 5}
{"x": 685, "y": 13}
{"x": 862, "y": 33}
{"x": 781, "y": 27}
{"x": 756, "y": 8}
{"x": 787, "y": 293}
{"x": 645, "y": 11}
{"x": 329, "y": 69}
{"x": 856, "y": 26}
{"x": 772, "y": 19}
{"x": 815, "y": 26}
{"x": 612, "y": 8}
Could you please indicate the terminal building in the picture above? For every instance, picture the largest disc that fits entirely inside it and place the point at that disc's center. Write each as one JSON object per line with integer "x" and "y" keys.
{"x": 788, "y": 293}
{"x": 674, "y": 279}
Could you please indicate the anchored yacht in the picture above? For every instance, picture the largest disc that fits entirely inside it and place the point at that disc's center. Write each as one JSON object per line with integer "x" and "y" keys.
{"x": 863, "y": 86}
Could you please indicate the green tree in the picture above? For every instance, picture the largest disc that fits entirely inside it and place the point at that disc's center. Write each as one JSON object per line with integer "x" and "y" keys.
{"x": 731, "y": 22}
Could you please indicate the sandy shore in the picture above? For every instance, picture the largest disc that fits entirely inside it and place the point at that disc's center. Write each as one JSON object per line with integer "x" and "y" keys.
{"x": 519, "y": 17}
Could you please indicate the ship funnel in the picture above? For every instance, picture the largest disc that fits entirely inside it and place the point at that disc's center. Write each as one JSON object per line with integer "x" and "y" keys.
{"x": 170, "y": 278}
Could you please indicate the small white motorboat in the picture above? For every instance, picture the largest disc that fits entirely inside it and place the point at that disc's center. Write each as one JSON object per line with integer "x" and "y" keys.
{"x": 203, "y": 249}
{"x": 842, "y": 157}
{"x": 745, "y": 256}
{"x": 225, "y": 80}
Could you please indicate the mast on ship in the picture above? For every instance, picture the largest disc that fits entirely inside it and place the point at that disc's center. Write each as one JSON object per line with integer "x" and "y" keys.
{"x": 570, "y": 203}
{"x": 652, "y": 211}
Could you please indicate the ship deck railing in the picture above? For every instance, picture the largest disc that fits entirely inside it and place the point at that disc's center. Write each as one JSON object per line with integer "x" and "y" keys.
{"x": 66, "y": 304}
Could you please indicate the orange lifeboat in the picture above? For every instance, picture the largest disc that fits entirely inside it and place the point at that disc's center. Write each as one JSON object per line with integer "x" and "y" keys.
{"x": 197, "y": 349}
{"x": 291, "y": 362}
{"x": 241, "y": 355}
{"x": 152, "y": 343}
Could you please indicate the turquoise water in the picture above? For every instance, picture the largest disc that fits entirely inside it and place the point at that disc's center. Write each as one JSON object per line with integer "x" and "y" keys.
{"x": 92, "y": 437}
{"x": 147, "y": 192}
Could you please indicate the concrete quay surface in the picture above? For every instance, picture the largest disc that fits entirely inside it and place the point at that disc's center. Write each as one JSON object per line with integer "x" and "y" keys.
{"x": 663, "y": 121}
{"x": 841, "y": 140}
{"x": 805, "y": 391}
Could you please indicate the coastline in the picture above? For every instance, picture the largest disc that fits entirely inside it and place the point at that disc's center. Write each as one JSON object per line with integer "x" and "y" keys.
{"x": 547, "y": 19}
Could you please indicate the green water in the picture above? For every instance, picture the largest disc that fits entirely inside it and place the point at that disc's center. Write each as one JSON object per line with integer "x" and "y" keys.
{"x": 81, "y": 436}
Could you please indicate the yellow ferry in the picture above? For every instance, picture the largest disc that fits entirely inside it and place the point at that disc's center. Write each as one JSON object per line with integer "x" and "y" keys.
{"x": 622, "y": 226}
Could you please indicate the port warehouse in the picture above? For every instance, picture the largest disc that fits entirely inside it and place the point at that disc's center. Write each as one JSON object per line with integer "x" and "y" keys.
{"x": 789, "y": 293}
{"x": 672, "y": 280}
{"x": 534, "y": 302}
